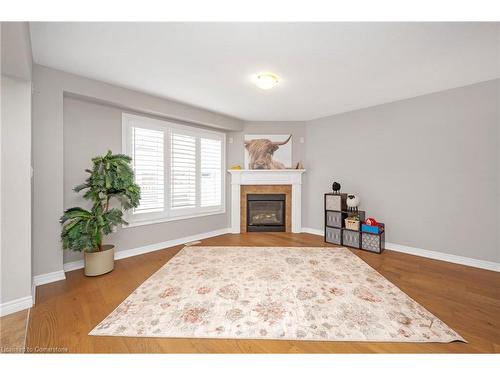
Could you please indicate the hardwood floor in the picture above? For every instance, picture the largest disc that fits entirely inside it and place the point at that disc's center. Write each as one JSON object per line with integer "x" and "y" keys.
{"x": 13, "y": 332}
{"x": 467, "y": 299}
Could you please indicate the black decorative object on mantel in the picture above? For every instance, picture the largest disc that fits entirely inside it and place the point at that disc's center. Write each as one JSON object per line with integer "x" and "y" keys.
{"x": 336, "y": 188}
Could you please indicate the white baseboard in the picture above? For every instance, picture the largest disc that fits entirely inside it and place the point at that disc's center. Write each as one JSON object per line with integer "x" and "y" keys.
{"x": 16, "y": 305}
{"x": 317, "y": 232}
{"x": 33, "y": 293}
{"x": 47, "y": 278}
{"x": 471, "y": 262}
{"x": 71, "y": 266}
{"x": 75, "y": 265}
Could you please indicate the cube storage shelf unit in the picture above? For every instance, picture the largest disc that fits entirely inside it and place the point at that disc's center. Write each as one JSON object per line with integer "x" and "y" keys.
{"x": 336, "y": 233}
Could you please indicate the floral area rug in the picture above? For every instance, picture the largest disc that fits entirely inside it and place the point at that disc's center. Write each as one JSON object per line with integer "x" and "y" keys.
{"x": 288, "y": 293}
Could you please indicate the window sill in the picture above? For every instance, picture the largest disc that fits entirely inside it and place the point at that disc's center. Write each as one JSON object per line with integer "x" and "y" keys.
{"x": 168, "y": 219}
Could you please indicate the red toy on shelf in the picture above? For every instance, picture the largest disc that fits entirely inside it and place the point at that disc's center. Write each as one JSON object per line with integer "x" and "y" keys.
{"x": 372, "y": 226}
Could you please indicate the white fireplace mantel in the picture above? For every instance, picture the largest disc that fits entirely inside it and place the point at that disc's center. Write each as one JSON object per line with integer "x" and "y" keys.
{"x": 291, "y": 177}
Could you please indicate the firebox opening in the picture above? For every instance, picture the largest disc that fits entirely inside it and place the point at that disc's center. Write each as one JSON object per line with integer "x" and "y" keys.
{"x": 266, "y": 212}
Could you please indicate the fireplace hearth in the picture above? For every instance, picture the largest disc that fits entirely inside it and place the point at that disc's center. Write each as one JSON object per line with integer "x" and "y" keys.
{"x": 266, "y": 212}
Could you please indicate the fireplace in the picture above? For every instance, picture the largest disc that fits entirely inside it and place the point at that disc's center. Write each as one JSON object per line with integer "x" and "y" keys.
{"x": 266, "y": 212}
{"x": 266, "y": 181}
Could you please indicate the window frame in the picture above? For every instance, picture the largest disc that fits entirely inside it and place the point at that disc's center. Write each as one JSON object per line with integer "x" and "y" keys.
{"x": 167, "y": 126}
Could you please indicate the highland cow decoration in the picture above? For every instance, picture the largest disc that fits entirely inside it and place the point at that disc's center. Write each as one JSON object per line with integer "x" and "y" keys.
{"x": 268, "y": 151}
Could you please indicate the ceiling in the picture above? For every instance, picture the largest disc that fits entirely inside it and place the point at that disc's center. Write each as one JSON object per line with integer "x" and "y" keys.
{"x": 325, "y": 68}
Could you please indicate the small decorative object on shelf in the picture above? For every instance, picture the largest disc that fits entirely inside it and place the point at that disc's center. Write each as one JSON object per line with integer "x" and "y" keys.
{"x": 352, "y": 202}
{"x": 371, "y": 221}
{"x": 358, "y": 215}
{"x": 336, "y": 188}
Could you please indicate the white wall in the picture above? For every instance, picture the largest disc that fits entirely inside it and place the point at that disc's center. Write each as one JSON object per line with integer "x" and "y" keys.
{"x": 48, "y": 147}
{"x": 15, "y": 173}
{"x": 428, "y": 167}
{"x": 17, "y": 61}
{"x": 91, "y": 129}
{"x": 15, "y": 193}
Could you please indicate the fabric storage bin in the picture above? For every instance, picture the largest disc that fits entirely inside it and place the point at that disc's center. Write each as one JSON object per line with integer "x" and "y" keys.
{"x": 335, "y": 202}
{"x": 334, "y": 219}
{"x": 333, "y": 235}
{"x": 373, "y": 228}
{"x": 373, "y": 242}
{"x": 350, "y": 238}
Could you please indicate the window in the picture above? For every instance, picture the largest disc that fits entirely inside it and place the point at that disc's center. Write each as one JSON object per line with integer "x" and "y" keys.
{"x": 148, "y": 164}
{"x": 180, "y": 169}
{"x": 211, "y": 159}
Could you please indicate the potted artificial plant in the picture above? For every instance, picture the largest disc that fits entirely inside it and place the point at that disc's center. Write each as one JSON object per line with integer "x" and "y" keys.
{"x": 83, "y": 230}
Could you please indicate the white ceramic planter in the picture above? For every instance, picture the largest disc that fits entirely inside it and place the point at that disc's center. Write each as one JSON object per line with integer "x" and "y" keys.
{"x": 100, "y": 262}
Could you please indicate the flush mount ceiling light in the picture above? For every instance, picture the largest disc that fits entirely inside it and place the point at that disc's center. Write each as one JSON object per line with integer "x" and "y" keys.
{"x": 266, "y": 81}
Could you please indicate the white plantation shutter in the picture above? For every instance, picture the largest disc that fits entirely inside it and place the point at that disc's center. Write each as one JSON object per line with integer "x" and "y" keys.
{"x": 182, "y": 171}
{"x": 147, "y": 159}
{"x": 211, "y": 172}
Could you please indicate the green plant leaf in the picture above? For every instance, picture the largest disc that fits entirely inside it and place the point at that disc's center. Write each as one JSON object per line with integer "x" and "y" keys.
{"x": 111, "y": 177}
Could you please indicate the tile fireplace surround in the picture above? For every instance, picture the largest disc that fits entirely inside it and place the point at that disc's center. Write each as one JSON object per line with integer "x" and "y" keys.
{"x": 270, "y": 178}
